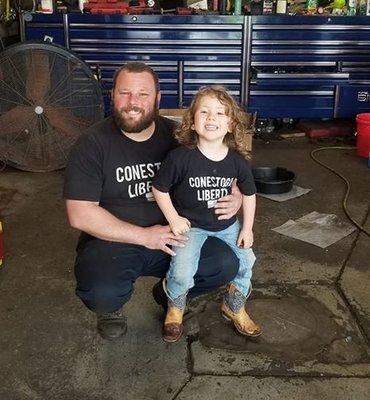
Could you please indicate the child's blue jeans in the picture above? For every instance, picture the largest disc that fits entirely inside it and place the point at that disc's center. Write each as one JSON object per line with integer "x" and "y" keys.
{"x": 184, "y": 265}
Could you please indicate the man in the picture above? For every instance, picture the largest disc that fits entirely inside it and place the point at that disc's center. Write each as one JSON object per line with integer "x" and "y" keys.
{"x": 108, "y": 197}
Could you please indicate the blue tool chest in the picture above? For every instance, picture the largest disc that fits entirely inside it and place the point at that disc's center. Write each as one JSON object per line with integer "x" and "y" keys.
{"x": 309, "y": 66}
{"x": 277, "y": 66}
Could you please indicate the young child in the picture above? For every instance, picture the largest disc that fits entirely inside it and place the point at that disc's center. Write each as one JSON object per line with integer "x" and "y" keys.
{"x": 213, "y": 133}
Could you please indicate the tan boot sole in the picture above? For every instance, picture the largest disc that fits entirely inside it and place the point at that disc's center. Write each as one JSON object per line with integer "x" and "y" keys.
{"x": 255, "y": 333}
{"x": 168, "y": 334}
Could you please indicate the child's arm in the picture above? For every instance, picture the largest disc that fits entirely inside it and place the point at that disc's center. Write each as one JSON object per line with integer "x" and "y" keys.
{"x": 177, "y": 223}
{"x": 245, "y": 239}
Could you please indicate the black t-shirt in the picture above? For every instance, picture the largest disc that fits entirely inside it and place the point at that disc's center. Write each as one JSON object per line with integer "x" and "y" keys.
{"x": 196, "y": 182}
{"x": 107, "y": 167}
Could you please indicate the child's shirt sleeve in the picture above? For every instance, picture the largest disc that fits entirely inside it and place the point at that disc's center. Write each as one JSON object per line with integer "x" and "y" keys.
{"x": 245, "y": 180}
{"x": 168, "y": 174}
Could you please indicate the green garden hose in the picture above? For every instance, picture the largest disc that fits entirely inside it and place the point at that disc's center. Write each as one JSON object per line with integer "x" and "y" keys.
{"x": 344, "y": 203}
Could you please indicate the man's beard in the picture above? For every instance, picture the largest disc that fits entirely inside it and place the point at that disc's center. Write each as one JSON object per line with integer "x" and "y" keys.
{"x": 128, "y": 126}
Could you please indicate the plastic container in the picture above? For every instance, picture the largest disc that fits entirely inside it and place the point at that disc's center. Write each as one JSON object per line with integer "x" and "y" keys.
{"x": 238, "y": 7}
{"x": 47, "y": 6}
{"x": 273, "y": 180}
{"x": 363, "y": 134}
{"x": 81, "y": 4}
{"x": 311, "y": 5}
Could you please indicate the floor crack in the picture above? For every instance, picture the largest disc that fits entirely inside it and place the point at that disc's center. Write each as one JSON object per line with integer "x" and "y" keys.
{"x": 341, "y": 291}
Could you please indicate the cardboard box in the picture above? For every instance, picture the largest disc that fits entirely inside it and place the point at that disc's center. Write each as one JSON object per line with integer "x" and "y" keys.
{"x": 172, "y": 113}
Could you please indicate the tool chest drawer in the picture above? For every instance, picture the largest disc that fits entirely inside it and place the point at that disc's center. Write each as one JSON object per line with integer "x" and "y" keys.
{"x": 38, "y": 27}
{"x": 353, "y": 98}
{"x": 277, "y": 103}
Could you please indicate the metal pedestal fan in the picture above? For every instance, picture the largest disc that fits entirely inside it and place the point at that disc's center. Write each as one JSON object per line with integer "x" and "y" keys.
{"x": 48, "y": 97}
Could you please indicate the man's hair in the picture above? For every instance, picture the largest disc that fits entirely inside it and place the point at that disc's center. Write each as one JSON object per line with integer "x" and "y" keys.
{"x": 136, "y": 67}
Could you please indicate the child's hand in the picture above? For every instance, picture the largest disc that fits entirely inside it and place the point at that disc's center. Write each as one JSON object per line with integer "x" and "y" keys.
{"x": 179, "y": 225}
{"x": 245, "y": 239}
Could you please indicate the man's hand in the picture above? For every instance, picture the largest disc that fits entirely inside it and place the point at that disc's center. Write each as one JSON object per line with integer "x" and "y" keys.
{"x": 245, "y": 239}
{"x": 159, "y": 237}
{"x": 179, "y": 225}
{"x": 229, "y": 205}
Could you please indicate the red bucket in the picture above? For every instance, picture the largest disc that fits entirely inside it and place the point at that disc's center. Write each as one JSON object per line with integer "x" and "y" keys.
{"x": 363, "y": 134}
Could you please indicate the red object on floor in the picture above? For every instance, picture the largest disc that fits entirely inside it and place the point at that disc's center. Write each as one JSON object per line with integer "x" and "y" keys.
{"x": 363, "y": 135}
{"x": 324, "y": 129}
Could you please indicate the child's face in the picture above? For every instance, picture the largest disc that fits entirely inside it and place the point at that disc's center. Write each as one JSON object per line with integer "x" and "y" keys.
{"x": 210, "y": 120}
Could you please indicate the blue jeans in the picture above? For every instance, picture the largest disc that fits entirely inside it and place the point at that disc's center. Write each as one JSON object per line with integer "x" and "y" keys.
{"x": 106, "y": 271}
{"x": 183, "y": 267}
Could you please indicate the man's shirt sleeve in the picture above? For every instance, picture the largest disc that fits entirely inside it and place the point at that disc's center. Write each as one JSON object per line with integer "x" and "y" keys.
{"x": 84, "y": 173}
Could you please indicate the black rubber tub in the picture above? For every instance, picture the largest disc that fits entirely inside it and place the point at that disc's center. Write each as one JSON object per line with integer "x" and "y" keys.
{"x": 273, "y": 180}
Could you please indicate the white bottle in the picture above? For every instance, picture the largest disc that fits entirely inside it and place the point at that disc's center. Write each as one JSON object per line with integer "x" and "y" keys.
{"x": 352, "y": 7}
{"x": 81, "y": 4}
{"x": 368, "y": 8}
{"x": 281, "y": 6}
{"x": 361, "y": 9}
{"x": 47, "y": 6}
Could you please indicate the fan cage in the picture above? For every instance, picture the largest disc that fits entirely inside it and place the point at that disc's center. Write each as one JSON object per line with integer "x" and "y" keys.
{"x": 48, "y": 98}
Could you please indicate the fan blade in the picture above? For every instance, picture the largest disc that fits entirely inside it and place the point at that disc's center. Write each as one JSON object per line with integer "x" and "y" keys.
{"x": 38, "y": 77}
{"x": 15, "y": 119}
{"x": 63, "y": 121}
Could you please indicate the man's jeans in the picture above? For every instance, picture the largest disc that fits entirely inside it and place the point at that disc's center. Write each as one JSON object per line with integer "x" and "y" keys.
{"x": 106, "y": 271}
{"x": 183, "y": 267}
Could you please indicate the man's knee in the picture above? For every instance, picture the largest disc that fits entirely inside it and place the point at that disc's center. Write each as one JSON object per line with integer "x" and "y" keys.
{"x": 105, "y": 273}
{"x": 103, "y": 299}
{"x": 218, "y": 266}
{"x": 220, "y": 259}
{"x": 227, "y": 272}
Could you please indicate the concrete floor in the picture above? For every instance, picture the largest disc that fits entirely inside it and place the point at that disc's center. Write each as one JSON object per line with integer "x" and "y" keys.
{"x": 313, "y": 303}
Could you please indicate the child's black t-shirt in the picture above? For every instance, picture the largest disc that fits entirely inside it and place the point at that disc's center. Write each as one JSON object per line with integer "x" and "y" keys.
{"x": 196, "y": 183}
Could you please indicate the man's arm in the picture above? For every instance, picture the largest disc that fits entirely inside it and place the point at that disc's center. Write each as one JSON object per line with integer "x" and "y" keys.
{"x": 89, "y": 217}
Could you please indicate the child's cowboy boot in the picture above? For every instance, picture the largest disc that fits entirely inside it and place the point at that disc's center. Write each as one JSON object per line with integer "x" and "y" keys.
{"x": 233, "y": 309}
{"x": 173, "y": 326}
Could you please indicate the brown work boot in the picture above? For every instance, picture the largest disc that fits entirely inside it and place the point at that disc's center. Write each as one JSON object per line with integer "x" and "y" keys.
{"x": 233, "y": 309}
{"x": 173, "y": 326}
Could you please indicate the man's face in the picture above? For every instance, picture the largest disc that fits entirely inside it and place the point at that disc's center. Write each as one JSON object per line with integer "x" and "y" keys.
{"x": 135, "y": 101}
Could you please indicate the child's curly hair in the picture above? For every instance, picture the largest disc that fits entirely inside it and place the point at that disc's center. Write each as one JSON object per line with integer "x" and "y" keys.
{"x": 240, "y": 122}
